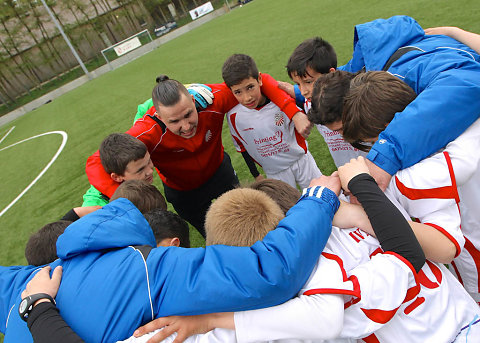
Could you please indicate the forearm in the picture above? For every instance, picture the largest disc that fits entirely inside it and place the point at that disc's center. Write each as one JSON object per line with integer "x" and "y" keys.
{"x": 142, "y": 109}
{"x": 435, "y": 244}
{"x": 391, "y": 228}
{"x": 318, "y": 316}
{"x": 71, "y": 216}
{"x": 98, "y": 177}
{"x": 47, "y": 326}
{"x": 278, "y": 96}
{"x": 468, "y": 38}
{"x": 250, "y": 164}
{"x": 351, "y": 215}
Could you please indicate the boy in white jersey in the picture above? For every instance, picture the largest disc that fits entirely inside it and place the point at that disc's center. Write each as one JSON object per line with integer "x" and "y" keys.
{"x": 311, "y": 59}
{"x": 261, "y": 131}
{"x": 440, "y": 191}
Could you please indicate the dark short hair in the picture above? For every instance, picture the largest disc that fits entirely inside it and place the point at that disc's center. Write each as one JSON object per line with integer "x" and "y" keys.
{"x": 237, "y": 68}
{"x": 41, "y": 247}
{"x": 167, "y": 92}
{"x": 166, "y": 224}
{"x": 315, "y": 53}
{"x": 327, "y": 97}
{"x": 144, "y": 196}
{"x": 371, "y": 103}
{"x": 118, "y": 150}
{"x": 281, "y": 192}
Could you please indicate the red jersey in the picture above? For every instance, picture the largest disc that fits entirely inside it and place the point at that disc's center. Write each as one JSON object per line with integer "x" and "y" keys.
{"x": 186, "y": 164}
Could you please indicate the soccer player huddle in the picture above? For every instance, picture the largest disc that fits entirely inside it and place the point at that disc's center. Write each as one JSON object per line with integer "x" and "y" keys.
{"x": 386, "y": 249}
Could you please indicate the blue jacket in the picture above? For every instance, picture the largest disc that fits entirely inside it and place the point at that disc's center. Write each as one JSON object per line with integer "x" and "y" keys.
{"x": 445, "y": 74}
{"x": 108, "y": 289}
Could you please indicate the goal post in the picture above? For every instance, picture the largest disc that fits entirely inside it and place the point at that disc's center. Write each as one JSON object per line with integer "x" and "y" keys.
{"x": 131, "y": 43}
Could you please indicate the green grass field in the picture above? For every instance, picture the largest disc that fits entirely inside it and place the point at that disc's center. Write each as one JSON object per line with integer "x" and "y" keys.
{"x": 268, "y": 30}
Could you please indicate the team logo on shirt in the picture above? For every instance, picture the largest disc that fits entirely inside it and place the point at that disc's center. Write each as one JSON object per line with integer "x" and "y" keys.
{"x": 208, "y": 136}
{"x": 279, "y": 120}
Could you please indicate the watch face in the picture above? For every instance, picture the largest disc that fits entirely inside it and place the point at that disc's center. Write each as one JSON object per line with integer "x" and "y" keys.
{"x": 23, "y": 306}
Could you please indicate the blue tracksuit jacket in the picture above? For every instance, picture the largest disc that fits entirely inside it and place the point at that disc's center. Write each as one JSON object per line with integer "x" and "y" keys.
{"x": 444, "y": 73}
{"x": 108, "y": 289}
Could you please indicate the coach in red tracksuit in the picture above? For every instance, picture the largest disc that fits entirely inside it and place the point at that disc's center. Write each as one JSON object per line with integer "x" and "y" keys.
{"x": 186, "y": 146}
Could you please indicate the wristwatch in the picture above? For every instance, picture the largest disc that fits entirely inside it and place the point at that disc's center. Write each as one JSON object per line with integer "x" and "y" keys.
{"x": 26, "y": 305}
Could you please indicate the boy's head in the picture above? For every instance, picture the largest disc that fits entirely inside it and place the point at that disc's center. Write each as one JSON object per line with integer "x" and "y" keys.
{"x": 175, "y": 107}
{"x": 327, "y": 99}
{"x": 144, "y": 196}
{"x": 168, "y": 228}
{"x": 308, "y": 61}
{"x": 281, "y": 192}
{"x": 370, "y": 105}
{"x": 125, "y": 157}
{"x": 241, "y": 75}
{"x": 241, "y": 217}
{"x": 41, "y": 247}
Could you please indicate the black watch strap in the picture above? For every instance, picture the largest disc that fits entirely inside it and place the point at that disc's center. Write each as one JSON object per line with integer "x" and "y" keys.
{"x": 26, "y": 305}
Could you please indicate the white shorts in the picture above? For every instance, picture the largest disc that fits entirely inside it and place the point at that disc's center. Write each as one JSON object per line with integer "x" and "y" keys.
{"x": 301, "y": 172}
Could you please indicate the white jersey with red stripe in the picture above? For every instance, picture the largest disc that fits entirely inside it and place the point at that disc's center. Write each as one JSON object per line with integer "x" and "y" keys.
{"x": 386, "y": 301}
{"x": 341, "y": 151}
{"x": 268, "y": 135}
{"x": 465, "y": 155}
{"x": 443, "y": 191}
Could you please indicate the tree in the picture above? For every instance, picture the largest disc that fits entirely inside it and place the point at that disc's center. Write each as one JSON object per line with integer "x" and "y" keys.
{"x": 26, "y": 67}
{"x": 39, "y": 20}
{"x": 74, "y": 6}
{"x": 18, "y": 10}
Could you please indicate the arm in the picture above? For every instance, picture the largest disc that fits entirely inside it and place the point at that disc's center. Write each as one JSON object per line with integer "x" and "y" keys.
{"x": 287, "y": 105}
{"x": 251, "y": 165}
{"x": 435, "y": 245}
{"x": 142, "y": 109}
{"x": 310, "y": 319}
{"x": 293, "y": 91}
{"x": 98, "y": 177}
{"x": 278, "y": 96}
{"x": 146, "y": 130}
{"x": 468, "y": 38}
{"x": 305, "y": 317}
{"x": 352, "y": 215}
{"x": 237, "y": 143}
{"x": 47, "y": 326}
{"x": 44, "y": 322}
{"x": 93, "y": 197}
{"x": 391, "y": 228}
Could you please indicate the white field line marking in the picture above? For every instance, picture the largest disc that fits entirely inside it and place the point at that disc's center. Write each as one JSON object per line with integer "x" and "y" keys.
{"x": 11, "y": 129}
{"x": 64, "y": 141}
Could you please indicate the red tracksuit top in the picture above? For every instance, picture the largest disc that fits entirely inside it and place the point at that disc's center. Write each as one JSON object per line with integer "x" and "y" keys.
{"x": 186, "y": 164}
